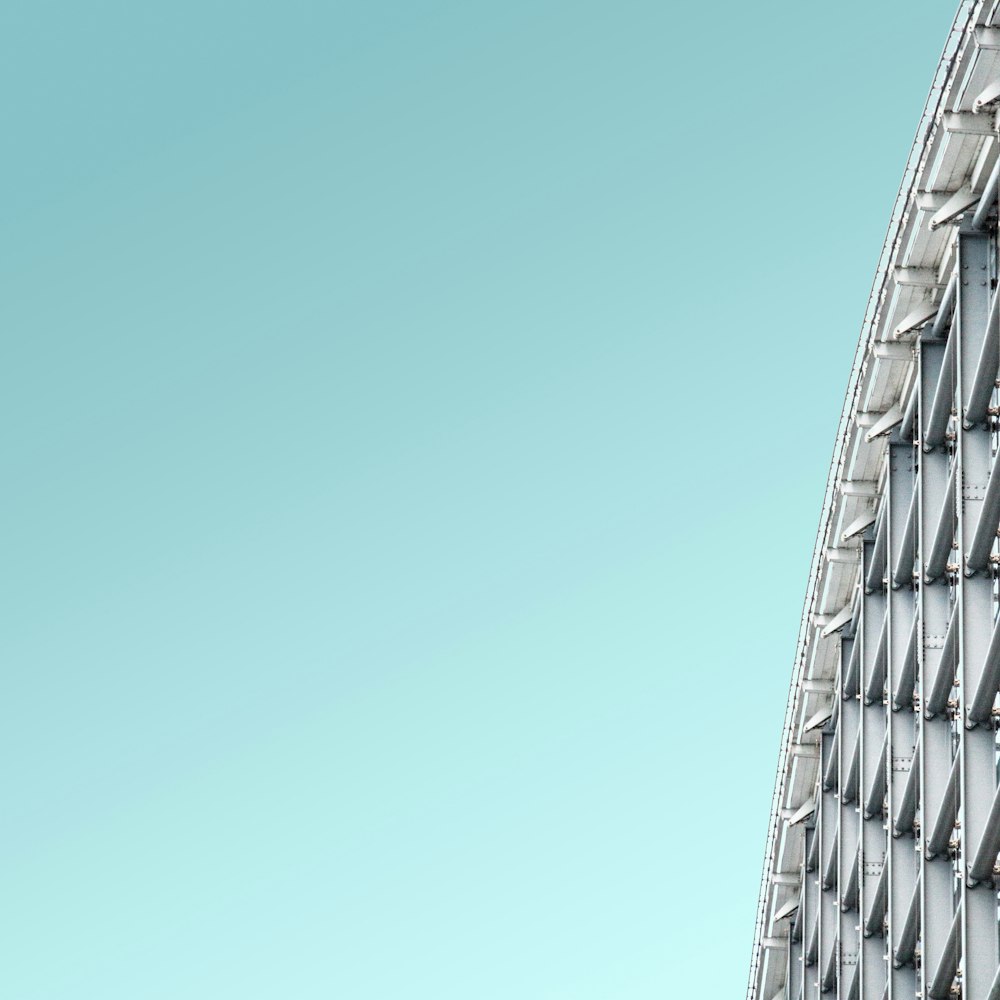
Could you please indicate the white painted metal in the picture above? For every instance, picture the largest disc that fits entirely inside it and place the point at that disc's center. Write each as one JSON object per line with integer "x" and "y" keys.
{"x": 966, "y": 123}
{"x": 880, "y": 876}
{"x": 916, "y": 277}
{"x": 989, "y": 96}
{"x": 924, "y": 313}
{"x": 961, "y": 201}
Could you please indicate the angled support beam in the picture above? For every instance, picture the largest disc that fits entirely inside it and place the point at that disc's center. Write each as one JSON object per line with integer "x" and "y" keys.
{"x": 812, "y": 854}
{"x": 959, "y": 203}
{"x": 944, "y": 819}
{"x": 911, "y": 322}
{"x": 907, "y": 946}
{"x": 947, "y": 964}
{"x": 876, "y": 790}
{"x": 944, "y": 676}
{"x": 985, "y": 856}
{"x": 936, "y": 423}
{"x": 987, "y": 366}
{"x": 850, "y": 978}
{"x": 905, "y": 433}
{"x": 981, "y": 704}
{"x": 850, "y": 786}
{"x": 818, "y": 719}
{"x": 876, "y": 912}
{"x": 902, "y": 824}
{"x": 902, "y": 571}
{"x": 812, "y": 948}
{"x": 803, "y": 813}
{"x": 850, "y": 688}
{"x": 830, "y": 771}
{"x": 830, "y": 970}
{"x": 830, "y": 864}
{"x": 990, "y": 95}
{"x": 944, "y": 534}
{"x": 875, "y": 683}
{"x": 849, "y": 900}
{"x": 978, "y": 556}
{"x": 839, "y": 620}
{"x": 876, "y": 574}
{"x": 946, "y": 312}
{"x": 885, "y": 423}
{"x": 902, "y": 697}
{"x": 988, "y": 200}
{"x": 860, "y": 524}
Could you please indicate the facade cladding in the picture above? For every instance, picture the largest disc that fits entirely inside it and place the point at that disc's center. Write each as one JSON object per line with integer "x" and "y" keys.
{"x": 881, "y": 874}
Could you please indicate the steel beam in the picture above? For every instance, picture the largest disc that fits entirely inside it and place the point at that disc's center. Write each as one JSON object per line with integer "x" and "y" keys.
{"x": 934, "y": 736}
{"x": 873, "y": 833}
{"x": 901, "y": 862}
{"x": 977, "y": 783}
{"x": 850, "y": 823}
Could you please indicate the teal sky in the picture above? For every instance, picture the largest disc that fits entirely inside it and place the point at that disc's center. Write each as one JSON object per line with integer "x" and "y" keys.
{"x": 416, "y": 418}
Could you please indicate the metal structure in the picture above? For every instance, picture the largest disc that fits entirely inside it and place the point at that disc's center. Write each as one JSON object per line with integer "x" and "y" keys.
{"x": 881, "y": 870}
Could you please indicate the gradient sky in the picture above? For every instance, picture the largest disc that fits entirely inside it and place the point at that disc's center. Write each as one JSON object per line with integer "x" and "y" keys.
{"x": 415, "y": 423}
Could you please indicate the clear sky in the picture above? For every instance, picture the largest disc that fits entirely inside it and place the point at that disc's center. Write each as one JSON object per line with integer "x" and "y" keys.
{"x": 415, "y": 423}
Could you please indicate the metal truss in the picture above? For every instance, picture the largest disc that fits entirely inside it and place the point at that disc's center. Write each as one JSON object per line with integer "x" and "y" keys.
{"x": 881, "y": 876}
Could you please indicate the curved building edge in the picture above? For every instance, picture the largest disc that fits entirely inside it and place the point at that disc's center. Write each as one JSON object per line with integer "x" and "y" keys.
{"x": 954, "y": 159}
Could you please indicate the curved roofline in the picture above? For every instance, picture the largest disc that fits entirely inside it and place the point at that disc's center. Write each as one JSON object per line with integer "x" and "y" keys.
{"x": 916, "y": 164}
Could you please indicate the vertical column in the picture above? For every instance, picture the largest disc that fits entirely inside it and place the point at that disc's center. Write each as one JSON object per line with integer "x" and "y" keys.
{"x": 936, "y": 905}
{"x": 847, "y": 844}
{"x": 902, "y": 859}
{"x": 828, "y": 913}
{"x": 793, "y": 972}
{"x": 975, "y": 597}
{"x": 810, "y": 917}
{"x": 873, "y": 834}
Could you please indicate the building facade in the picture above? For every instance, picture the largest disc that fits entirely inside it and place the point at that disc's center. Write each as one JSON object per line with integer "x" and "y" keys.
{"x": 881, "y": 872}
